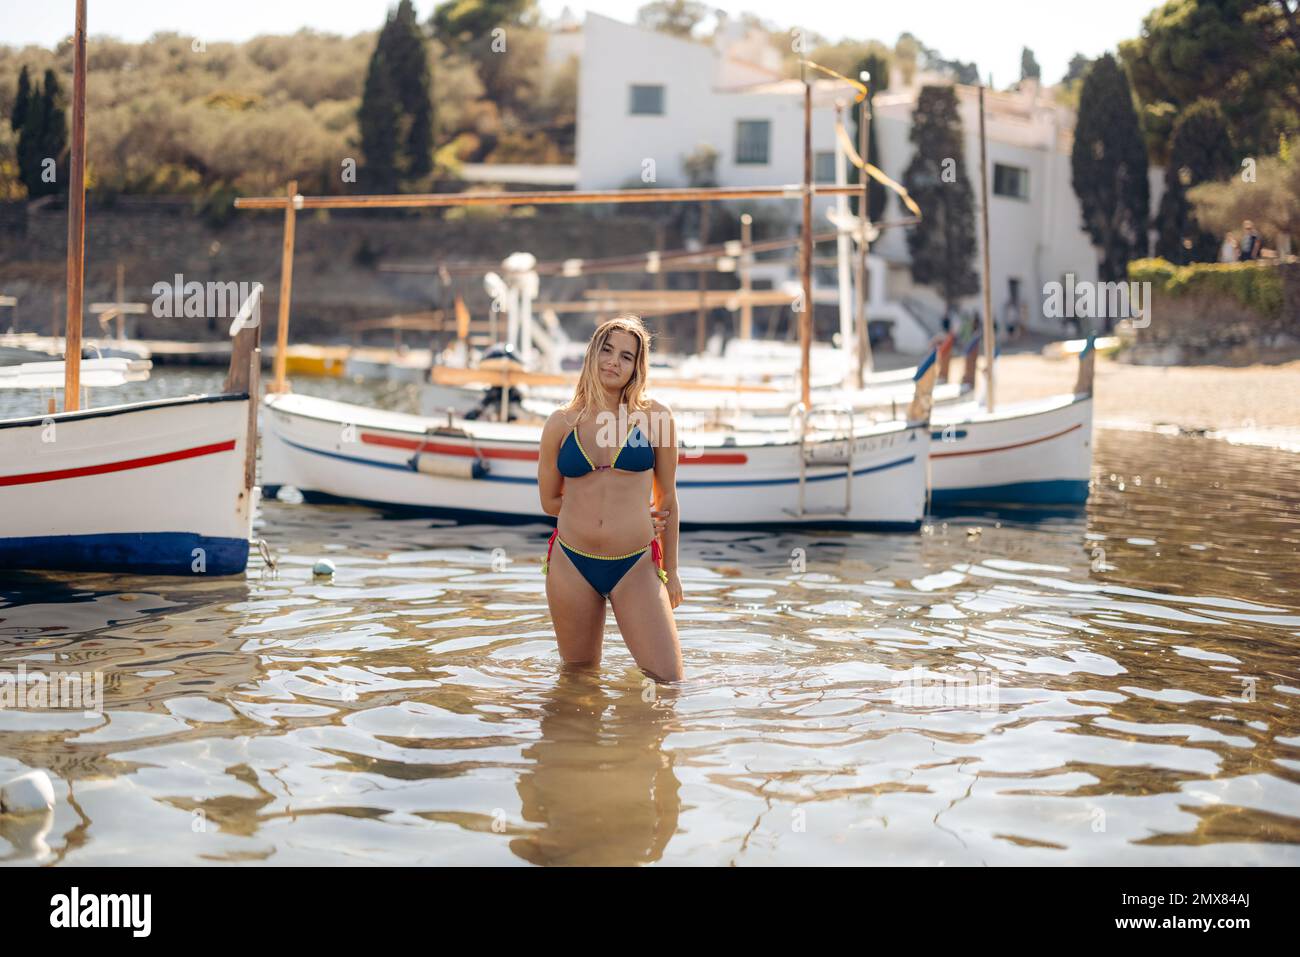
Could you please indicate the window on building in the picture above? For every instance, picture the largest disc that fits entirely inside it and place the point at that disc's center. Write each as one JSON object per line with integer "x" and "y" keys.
{"x": 1010, "y": 181}
{"x": 751, "y": 140}
{"x": 647, "y": 100}
{"x": 824, "y": 166}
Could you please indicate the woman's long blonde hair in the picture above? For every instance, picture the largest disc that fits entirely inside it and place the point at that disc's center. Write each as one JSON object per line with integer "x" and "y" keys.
{"x": 587, "y": 396}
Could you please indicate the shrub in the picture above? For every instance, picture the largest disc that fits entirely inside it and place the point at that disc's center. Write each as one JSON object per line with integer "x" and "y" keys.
{"x": 1255, "y": 285}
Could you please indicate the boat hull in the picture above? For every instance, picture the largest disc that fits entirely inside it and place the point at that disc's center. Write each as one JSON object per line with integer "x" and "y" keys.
{"x": 331, "y": 451}
{"x": 1036, "y": 454}
{"x": 149, "y": 487}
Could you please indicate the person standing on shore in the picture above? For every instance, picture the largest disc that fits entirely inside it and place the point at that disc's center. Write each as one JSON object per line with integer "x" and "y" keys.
{"x": 1249, "y": 241}
{"x": 1229, "y": 252}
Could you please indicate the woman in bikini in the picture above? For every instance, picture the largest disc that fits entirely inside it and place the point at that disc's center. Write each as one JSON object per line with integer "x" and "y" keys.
{"x": 601, "y": 457}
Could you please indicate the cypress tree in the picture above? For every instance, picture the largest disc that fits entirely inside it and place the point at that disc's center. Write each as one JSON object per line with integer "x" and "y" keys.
{"x": 396, "y": 115}
{"x": 408, "y": 58}
{"x": 942, "y": 246}
{"x": 44, "y": 135}
{"x": 1200, "y": 151}
{"x": 54, "y": 134}
{"x": 22, "y": 101}
{"x": 1029, "y": 68}
{"x": 379, "y": 118}
{"x": 1109, "y": 169}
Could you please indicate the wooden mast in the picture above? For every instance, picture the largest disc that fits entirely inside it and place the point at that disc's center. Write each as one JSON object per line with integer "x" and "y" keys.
{"x": 76, "y": 273}
{"x": 746, "y": 280}
{"x": 286, "y": 291}
{"x": 805, "y": 248}
{"x": 988, "y": 292}
{"x": 866, "y": 361}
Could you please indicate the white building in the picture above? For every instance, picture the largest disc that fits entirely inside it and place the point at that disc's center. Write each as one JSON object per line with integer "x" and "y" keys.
{"x": 647, "y": 100}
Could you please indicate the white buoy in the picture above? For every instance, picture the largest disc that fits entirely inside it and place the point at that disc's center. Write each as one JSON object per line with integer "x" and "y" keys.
{"x": 30, "y": 793}
{"x": 323, "y": 568}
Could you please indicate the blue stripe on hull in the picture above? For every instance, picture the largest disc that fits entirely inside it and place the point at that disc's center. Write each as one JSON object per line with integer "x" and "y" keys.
{"x": 153, "y": 553}
{"x": 480, "y": 516}
{"x": 1052, "y": 492}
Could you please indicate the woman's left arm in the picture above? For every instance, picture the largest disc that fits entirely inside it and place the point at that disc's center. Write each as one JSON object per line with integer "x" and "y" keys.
{"x": 665, "y": 493}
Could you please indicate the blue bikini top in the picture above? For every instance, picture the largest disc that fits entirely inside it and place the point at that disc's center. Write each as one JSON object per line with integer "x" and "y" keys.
{"x": 636, "y": 454}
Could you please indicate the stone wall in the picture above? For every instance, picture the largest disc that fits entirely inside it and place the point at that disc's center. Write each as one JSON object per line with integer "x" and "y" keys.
{"x": 1236, "y": 314}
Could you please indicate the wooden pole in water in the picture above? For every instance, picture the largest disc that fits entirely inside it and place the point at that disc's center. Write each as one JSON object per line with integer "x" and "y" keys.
{"x": 805, "y": 248}
{"x": 746, "y": 279}
{"x": 702, "y": 279}
{"x": 76, "y": 275}
{"x": 121, "y": 301}
{"x": 286, "y": 292}
{"x": 988, "y": 292}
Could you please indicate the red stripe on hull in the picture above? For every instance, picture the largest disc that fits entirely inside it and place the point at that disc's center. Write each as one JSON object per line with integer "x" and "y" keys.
{"x": 30, "y": 478}
{"x": 524, "y": 455}
{"x": 1006, "y": 448}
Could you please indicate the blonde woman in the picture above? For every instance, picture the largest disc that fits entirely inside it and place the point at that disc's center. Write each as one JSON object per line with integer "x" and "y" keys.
{"x": 602, "y": 456}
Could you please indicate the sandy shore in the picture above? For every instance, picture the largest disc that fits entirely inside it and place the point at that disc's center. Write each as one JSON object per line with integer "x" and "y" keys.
{"x": 1258, "y": 404}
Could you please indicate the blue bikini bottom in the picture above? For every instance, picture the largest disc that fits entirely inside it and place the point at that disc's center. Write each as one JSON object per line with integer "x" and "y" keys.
{"x": 603, "y": 572}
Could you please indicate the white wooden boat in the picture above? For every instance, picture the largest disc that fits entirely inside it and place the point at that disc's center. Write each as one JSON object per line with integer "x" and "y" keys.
{"x": 157, "y": 487}
{"x": 95, "y": 373}
{"x": 868, "y": 475}
{"x": 389, "y": 365}
{"x": 1026, "y": 453}
{"x": 164, "y": 486}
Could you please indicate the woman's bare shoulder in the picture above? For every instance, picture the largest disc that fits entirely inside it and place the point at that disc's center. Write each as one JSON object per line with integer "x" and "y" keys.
{"x": 557, "y": 421}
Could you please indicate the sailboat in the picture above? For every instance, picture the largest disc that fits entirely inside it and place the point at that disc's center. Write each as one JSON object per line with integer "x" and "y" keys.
{"x": 162, "y": 486}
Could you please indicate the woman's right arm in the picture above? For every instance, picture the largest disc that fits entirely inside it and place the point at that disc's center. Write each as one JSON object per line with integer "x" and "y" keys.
{"x": 550, "y": 483}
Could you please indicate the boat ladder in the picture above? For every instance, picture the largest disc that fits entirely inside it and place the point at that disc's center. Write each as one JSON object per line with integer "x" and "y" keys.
{"x": 833, "y": 450}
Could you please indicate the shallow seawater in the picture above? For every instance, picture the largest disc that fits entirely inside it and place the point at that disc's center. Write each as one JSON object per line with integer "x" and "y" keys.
{"x": 1119, "y": 685}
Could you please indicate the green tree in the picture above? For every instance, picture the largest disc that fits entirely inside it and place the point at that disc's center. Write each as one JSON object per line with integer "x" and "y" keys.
{"x": 396, "y": 114}
{"x": 942, "y": 246}
{"x": 43, "y": 137}
{"x": 380, "y": 121}
{"x": 1029, "y": 68}
{"x": 459, "y": 22}
{"x": 408, "y": 61}
{"x": 1243, "y": 53}
{"x": 22, "y": 101}
{"x": 1109, "y": 169}
{"x": 878, "y": 67}
{"x": 1077, "y": 67}
{"x": 1201, "y": 152}
{"x": 495, "y": 35}
{"x": 1270, "y": 197}
{"x": 676, "y": 17}
{"x": 907, "y": 51}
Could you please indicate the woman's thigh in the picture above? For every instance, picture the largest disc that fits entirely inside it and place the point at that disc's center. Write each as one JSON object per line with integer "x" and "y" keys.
{"x": 645, "y": 620}
{"x": 577, "y": 612}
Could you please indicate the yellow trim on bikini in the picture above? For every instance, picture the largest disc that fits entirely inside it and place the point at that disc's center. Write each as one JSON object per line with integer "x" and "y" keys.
{"x": 576, "y": 438}
{"x": 605, "y": 558}
{"x": 592, "y": 465}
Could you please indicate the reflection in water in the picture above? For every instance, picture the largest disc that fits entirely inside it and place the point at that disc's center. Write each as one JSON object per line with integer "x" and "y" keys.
{"x": 600, "y": 783}
{"x": 412, "y": 709}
